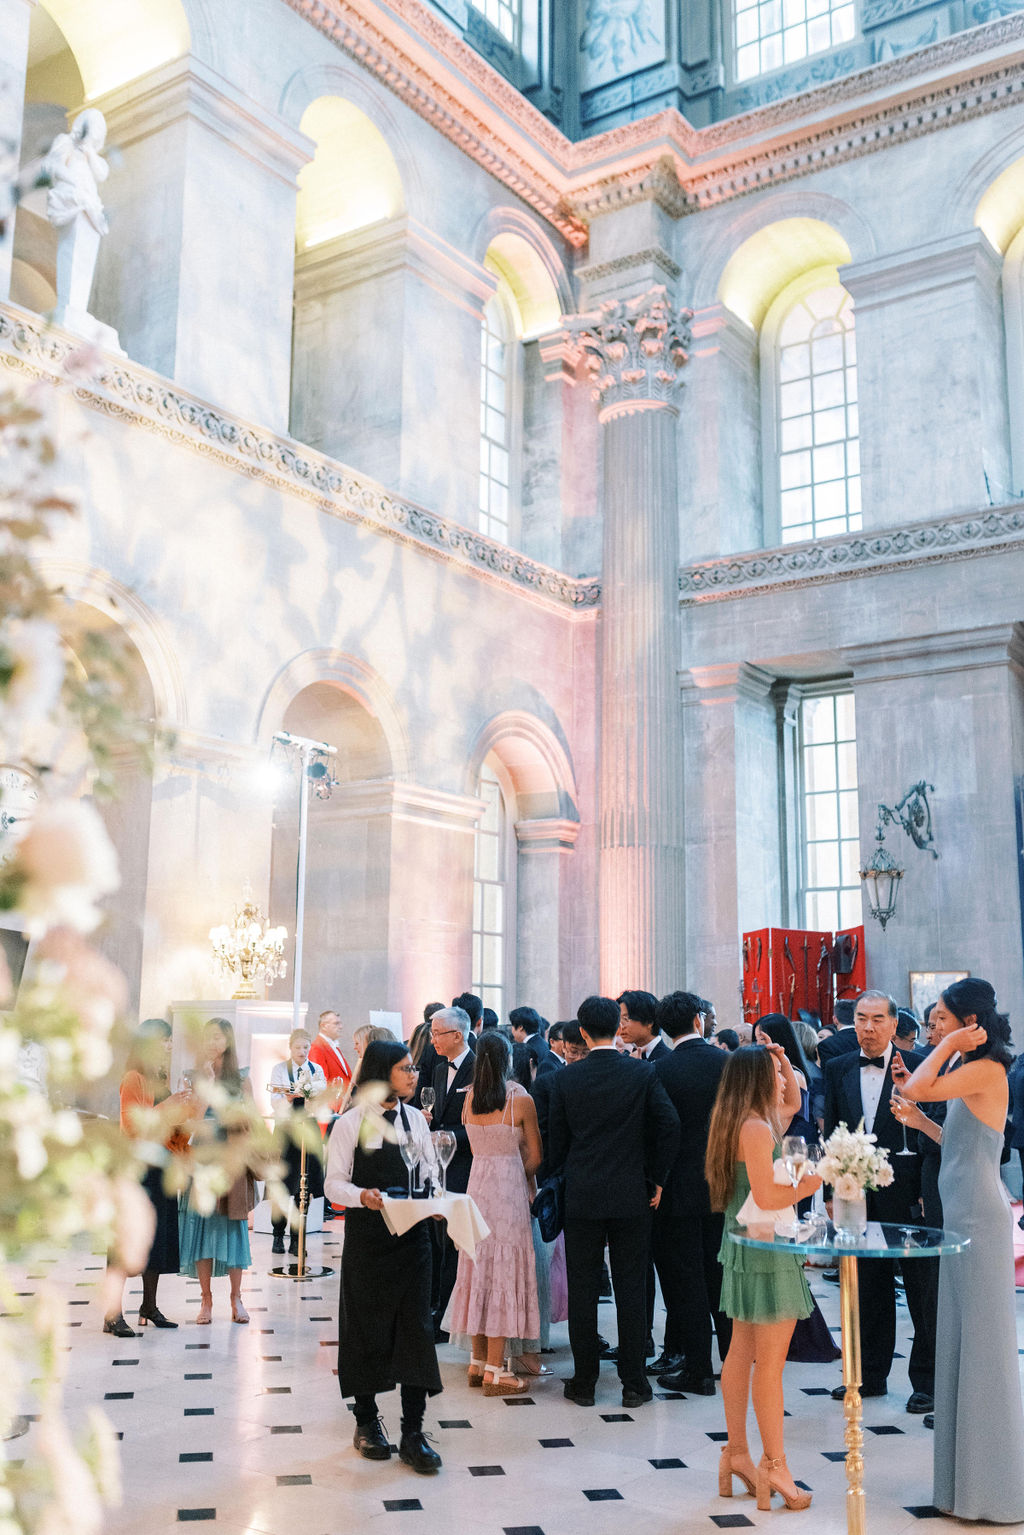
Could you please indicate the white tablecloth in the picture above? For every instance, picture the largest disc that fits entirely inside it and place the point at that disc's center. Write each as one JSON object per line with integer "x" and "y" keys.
{"x": 466, "y": 1226}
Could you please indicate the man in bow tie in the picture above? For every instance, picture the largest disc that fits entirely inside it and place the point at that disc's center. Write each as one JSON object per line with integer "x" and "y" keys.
{"x": 858, "y": 1085}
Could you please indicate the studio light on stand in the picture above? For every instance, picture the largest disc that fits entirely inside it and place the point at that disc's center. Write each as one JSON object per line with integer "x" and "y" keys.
{"x": 315, "y": 777}
{"x": 882, "y": 873}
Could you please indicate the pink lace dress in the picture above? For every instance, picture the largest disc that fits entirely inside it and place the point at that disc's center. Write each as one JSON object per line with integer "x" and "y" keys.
{"x": 497, "y": 1294}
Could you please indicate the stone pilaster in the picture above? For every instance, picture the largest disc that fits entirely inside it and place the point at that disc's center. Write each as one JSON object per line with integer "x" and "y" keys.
{"x": 931, "y": 380}
{"x": 544, "y": 934}
{"x": 14, "y": 22}
{"x": 720, "y": 440}
{"x": 635, "y": 350}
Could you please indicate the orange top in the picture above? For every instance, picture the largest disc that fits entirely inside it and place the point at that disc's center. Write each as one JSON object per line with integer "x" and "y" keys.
{"x": 137, "y": 1093}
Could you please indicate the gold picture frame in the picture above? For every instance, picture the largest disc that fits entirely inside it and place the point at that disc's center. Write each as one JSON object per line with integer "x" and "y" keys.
{"x": 926, "y": 986}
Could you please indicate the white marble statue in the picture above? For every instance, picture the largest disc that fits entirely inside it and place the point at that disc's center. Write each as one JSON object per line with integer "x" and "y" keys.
{"x": 75, "y": 168}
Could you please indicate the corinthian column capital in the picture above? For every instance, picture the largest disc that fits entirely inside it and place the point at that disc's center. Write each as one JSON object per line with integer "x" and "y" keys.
{"x": 634, "y": 350}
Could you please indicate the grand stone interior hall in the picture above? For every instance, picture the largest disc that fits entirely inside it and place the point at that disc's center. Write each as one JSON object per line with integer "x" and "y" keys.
{"x": 602, "y": 424}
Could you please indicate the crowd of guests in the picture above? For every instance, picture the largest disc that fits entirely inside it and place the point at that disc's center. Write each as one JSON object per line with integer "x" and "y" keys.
{"x": 646, "y": 1130}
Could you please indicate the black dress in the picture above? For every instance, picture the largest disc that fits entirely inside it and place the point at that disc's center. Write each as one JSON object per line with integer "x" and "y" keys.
{"x": 385, "y": 1330}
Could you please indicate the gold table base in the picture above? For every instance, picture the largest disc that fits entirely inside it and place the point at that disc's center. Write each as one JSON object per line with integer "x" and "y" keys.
{"x": 299, "y": 1270}
{"x": 849, "y": 1310}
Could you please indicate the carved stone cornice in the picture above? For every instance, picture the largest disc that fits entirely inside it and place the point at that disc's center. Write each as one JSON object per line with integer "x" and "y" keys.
{"x": 622, "y": 265}
{"x": 550, "y": 834}
{"x": 633, "y": 350}
{"x": 127, "y": 392}
{"x": 995, "y": 530}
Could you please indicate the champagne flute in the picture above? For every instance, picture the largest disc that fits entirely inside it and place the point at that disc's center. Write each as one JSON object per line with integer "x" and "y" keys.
{"x": 410, "y": 1156}
{"x": 899, "y": 1100}
{"x": 794, "y": 1155}
{"x": 444, "y": 1141}
{"x": 427, "y": 1100}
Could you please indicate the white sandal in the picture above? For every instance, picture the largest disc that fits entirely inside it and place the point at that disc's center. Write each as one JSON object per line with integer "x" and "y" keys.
{"x": 477, "y": 1380}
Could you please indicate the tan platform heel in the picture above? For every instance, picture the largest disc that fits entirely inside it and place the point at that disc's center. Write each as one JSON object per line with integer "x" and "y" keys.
{"x": 768, "y": 1482}
{"x": 726, "y": 1472}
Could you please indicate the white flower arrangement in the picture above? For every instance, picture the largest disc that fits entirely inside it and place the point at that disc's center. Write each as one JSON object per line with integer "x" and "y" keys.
{"x": 853, "y": 1161}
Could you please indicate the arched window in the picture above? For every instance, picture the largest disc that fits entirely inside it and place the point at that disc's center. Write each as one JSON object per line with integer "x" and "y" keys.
{"x": 771, "y": 33}
{"x": 811, "y": 349}
{"x": 491, "y": 894}
{"x": 497, "y": 388}
{"x": 505, "y": 15}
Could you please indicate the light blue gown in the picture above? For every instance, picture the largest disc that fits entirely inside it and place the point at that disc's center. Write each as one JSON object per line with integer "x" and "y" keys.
{"x": 979, "y": 1421}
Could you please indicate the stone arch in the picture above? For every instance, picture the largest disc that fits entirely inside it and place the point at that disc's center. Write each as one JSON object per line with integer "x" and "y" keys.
{"x": 811, "y": 207}
{"x": 117, "y": 603}
{"x": 990, "y": 194}
{"x": 349, "y": 675}
{"x": 113, "y": 44}
{"x": 523, "y": 253}
{"x": 536, "y": 761}
{"x": 349, "y": 84}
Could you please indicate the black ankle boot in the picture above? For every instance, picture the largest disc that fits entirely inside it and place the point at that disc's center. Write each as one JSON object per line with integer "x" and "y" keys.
{"x": 371, "y": 1441}
{"x": 414, "y": 1451}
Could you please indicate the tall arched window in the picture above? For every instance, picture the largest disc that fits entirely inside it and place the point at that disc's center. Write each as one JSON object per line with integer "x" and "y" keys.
{"x": 497, "y": 355}
{"x": 504, "y": 15}
{"x": 771, "y": 33}
{"x": 491, "y": 893}
{"x": 815, "y": 398}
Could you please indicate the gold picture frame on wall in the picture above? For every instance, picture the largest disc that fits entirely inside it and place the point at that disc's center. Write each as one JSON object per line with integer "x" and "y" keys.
{"x": 927, "y": 986}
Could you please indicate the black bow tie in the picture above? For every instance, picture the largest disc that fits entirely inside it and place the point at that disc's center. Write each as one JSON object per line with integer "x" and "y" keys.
{"x": 872, "y": 1060}
{"x": 390, "y": 1115}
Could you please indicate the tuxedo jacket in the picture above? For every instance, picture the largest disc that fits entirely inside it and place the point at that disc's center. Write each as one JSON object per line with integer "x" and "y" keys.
{"x": 690, "y": 1075}
{"x": 447, "y": 1115}
{"x": 843, "y": 1102}
{"x": 540, "y": 1092}
{"x": 837, "y": 1044}
{"x": 613, "y": 1132}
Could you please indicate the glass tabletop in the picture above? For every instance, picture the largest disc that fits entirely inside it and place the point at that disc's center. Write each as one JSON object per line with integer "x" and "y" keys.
{"x": 881, "y": 1240}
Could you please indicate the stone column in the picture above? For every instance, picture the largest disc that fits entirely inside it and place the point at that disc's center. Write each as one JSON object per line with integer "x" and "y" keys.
{"x": 544, "y": 917}
{"x": 14, "y": 22}
{"x": 931, "y": 380}
{"x": 635, "y": 350}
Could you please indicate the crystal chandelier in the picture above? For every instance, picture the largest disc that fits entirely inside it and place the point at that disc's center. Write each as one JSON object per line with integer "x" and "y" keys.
{"x": 249, "y": 948}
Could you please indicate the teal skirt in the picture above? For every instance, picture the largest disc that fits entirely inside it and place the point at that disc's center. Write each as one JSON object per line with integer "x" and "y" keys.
{"x": 224, "y": 1243}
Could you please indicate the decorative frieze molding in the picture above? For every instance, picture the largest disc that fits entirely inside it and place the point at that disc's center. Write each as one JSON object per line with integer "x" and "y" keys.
{"x": 663, "y": 158}
{"x": 126, "y": 392}
{"x": 549, "y": 834}
{"x": 634, "y": 350}
{"x": 853, "y": 554}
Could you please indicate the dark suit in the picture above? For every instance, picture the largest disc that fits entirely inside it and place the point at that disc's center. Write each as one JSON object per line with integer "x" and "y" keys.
{"x": 687, "y": 1233}
{"x": 614, "y": 1134}
{"x": 658, "y": 1052}
{"x": 839, "y": 1043}
{"x": 448, "y": 1104}
{"x": 898, "y": 1203}
{"x": 541, "y": 1094}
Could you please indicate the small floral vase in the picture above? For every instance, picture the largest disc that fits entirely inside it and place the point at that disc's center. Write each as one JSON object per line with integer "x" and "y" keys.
{"x": 850, "y": 1217}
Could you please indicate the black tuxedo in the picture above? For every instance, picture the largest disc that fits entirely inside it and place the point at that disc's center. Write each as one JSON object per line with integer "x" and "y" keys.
{"x": 541, "y": 1094}
{"x": 428, "y": 1065}
{"x": 687, "y": 1233}
{"x": 448, "y": 1103}
{"x": 614, "y": 1133}
{"x": 898, "y": 1203}
{"x": 658, "y": 1053}
{"x": 839, "y": 1043}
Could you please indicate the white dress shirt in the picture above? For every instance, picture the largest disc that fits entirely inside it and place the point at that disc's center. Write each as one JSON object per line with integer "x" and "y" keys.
{"x": 685, "y": 1039}
{"x": 341, "y": 1149}
{"x": 279, "y": 1077}
{"x": 871, "y": 1080}
{"x": 453, "y": 1066}
{"x": 644, "y": 1052}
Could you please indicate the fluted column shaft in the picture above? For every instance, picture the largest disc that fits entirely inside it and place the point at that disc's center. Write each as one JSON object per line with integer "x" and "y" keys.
{"x": 636, "y": 350}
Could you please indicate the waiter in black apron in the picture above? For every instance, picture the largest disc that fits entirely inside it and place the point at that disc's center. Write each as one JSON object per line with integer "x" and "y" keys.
{"x": 385, "y": 1330}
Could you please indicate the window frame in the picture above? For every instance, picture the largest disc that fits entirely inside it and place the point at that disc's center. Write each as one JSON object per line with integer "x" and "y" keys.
{"x": 515, "y": 7}
{"x": 502, "y": 296}
{"x": 507, "y": 854}
{"x": 826, "y": 687}
{"x": 771, "y": 418}
{"x": 729, "y": 31}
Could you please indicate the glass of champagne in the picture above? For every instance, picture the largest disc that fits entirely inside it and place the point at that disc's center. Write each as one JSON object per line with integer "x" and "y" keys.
{"x": 427, "y": 1100}
{"x": 794, "y": 1155}
{"x": 444, "y": 1143}
{"x": 410, "y": 1156}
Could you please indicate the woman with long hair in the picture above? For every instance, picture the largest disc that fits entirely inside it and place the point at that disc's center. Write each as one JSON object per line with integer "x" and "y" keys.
{"x": 765, "y": 1293}
{"x": 385, "y": 1329}
{"x": 144, "y": 1087}
{"x": 495, "y": 1296}
{"x": 218, "y": 1244}
{"x": 977, "y": 1474}
{"x": 777, "y": 1029}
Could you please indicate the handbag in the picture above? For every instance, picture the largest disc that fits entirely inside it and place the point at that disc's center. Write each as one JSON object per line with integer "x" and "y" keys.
{"x": 751, "y": 1215}
{"x": 548, "y": 1207}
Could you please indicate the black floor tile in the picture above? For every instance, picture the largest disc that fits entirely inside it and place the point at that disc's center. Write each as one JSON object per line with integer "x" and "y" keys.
{"x": 118, "y": 1396}
{"x": 190, "y": 1455}
{"x": 402, "y": 1505}
{"x": 925, "y": 1511}
{"x": 816, "y": 1390}
{"x": 199, "y": 1377}
{"x": 883, "y": 1428}
{"x": 197, "y": 1345}
{"x": 670, "y": 1396}
{"x": 185, "y": 1514}
{"x": 731, "y": 1521}
{"x": 454, "y": 1423}
{"x": 718, "y": 1437}
{"x": 556, "y": 1444}
{"x": 198, "y": 1412}
{"x": 602, "y": 1494}
{"x": 286, "y": 1428}
{"x": 672, "y": 1463}
{"x": 271, "y": 1358}
{"x": 522, "y": 1529}
{"x": 486, "y": 1470}
{"x": 277, "y": 1390}
{"x": 617, "y": 1417}
{"x": 124, "y": 1361}
{"x": 302, "y": 1480}
{"x": 834, "y": 1454}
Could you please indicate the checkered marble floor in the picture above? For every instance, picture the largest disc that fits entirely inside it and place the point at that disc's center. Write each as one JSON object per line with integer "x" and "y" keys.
{"x": 243, "y": 1428}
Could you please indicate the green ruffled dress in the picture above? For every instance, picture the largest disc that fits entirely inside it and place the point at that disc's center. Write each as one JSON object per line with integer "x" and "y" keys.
{"x": 757, "y": 1285}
